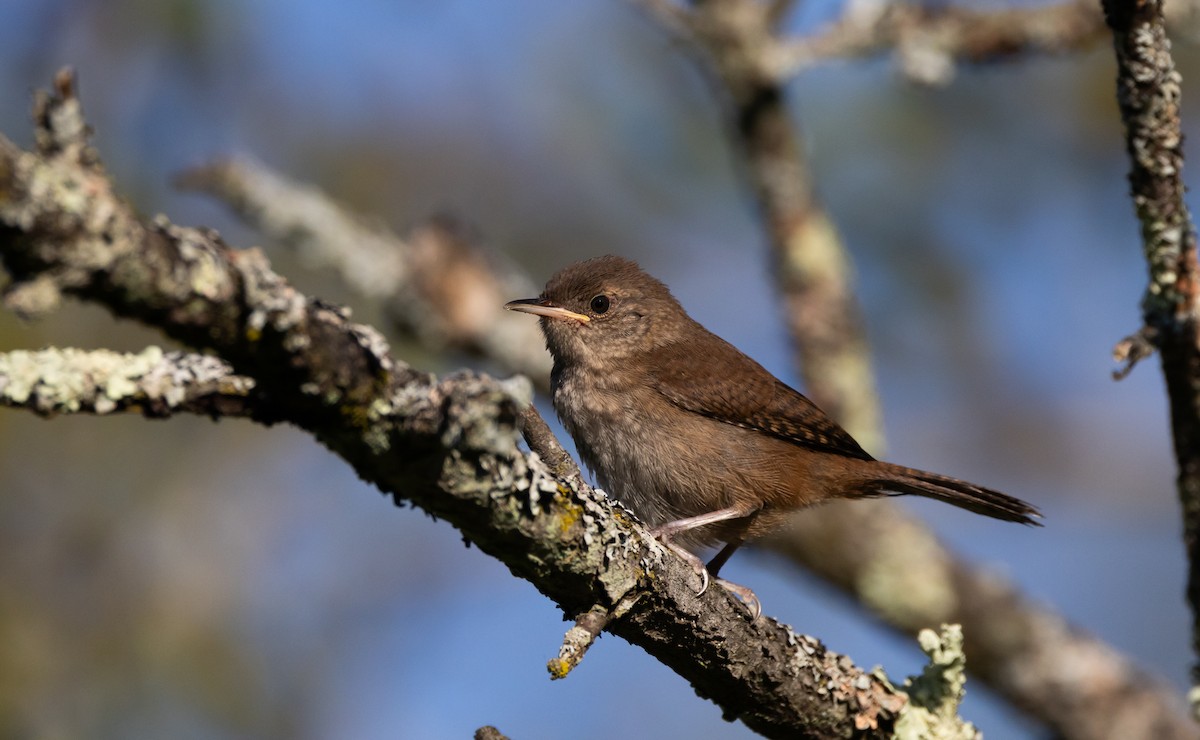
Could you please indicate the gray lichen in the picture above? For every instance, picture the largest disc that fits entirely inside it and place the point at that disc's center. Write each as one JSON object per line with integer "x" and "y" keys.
{"x": 54, "y": 381}
{"x": 934, "y": 696}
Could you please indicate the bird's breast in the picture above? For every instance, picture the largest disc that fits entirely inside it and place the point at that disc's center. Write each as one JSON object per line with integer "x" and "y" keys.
{"x": 643, "y": 450}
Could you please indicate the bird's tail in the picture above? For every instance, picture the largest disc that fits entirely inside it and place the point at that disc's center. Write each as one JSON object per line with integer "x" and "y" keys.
{"x": 901, "y": 480}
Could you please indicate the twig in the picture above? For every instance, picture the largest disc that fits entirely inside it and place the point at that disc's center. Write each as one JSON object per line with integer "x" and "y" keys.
{"x": 542, "y": 441}
{"x": 929, "y": 41}
{"x": 578, "y": 639}
{"x": 1133, "y": 349}
{"x": 1148, "y": 92}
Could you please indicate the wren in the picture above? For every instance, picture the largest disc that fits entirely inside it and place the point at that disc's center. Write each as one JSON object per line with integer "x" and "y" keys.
{"x": 699, "y": 440}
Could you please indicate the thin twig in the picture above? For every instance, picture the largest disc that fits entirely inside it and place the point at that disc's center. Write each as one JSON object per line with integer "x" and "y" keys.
{"x": 1149, "y": 89}
{"x": 929, "y": 41}
{"x": 542, "y": 441}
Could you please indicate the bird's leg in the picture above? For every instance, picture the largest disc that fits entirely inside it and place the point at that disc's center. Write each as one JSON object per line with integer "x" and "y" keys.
{"x": 670, "y": 529}
{"x": 665, "y": 532}
{"x": 714, "y": 566}
{"x": 747, "y": 597}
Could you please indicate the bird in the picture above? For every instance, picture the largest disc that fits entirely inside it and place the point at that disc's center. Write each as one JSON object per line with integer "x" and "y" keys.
{"x": 703, "y": 443}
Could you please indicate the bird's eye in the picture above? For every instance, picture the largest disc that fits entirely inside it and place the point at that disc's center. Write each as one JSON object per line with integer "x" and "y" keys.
{"x": 600, "y": 303}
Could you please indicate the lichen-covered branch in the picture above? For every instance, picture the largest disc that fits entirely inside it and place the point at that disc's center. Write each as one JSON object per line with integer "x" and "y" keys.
{"x": 940, "y": 688}
{"x": 590, "y": 623}
{"x": 542, "y": 441}
{"x": 1148, "y": 93}
{"x": 437, "y": 283}
{"x": 448, "y": 446}
{"x": 152, "y": 382}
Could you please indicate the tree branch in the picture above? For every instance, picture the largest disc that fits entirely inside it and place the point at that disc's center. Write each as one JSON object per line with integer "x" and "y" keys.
{"x": 448, "y": 446}
{"x": 929, "y": 41}
{"x": 1149, "y": 92}
{"x": 811, "y": 265}
{"x": 155, "y": 383}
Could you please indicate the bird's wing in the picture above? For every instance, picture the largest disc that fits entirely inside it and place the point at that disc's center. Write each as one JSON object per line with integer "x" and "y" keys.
{"x": 744, "y": 393}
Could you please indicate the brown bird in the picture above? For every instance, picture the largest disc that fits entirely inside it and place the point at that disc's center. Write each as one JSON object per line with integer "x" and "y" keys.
{"x": 698, "y": 439}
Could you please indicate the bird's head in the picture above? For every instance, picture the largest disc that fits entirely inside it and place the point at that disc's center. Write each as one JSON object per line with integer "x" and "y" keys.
{"x": 602, "y": 309}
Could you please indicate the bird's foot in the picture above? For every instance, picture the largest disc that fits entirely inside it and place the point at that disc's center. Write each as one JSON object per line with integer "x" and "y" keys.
{"x": 745, "y": 596}
{"x": 697, "y": 564}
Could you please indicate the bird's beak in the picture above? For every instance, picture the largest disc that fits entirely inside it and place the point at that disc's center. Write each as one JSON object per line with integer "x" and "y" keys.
{"x": 539, "y": 307}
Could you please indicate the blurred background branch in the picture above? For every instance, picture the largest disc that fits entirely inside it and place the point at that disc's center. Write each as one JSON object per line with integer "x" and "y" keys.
{"x": 808, "y": 260}
{"x": 437, "y": 283}
{"x": 927, "y": 42}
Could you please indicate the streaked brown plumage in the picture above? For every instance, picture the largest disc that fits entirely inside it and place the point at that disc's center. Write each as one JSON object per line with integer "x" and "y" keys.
{"x": 698, "y": 439}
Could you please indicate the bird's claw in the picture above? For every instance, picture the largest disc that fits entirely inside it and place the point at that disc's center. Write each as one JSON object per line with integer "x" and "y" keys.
{"x": 745, "y": 597}
{"x": 697, "y": 564}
